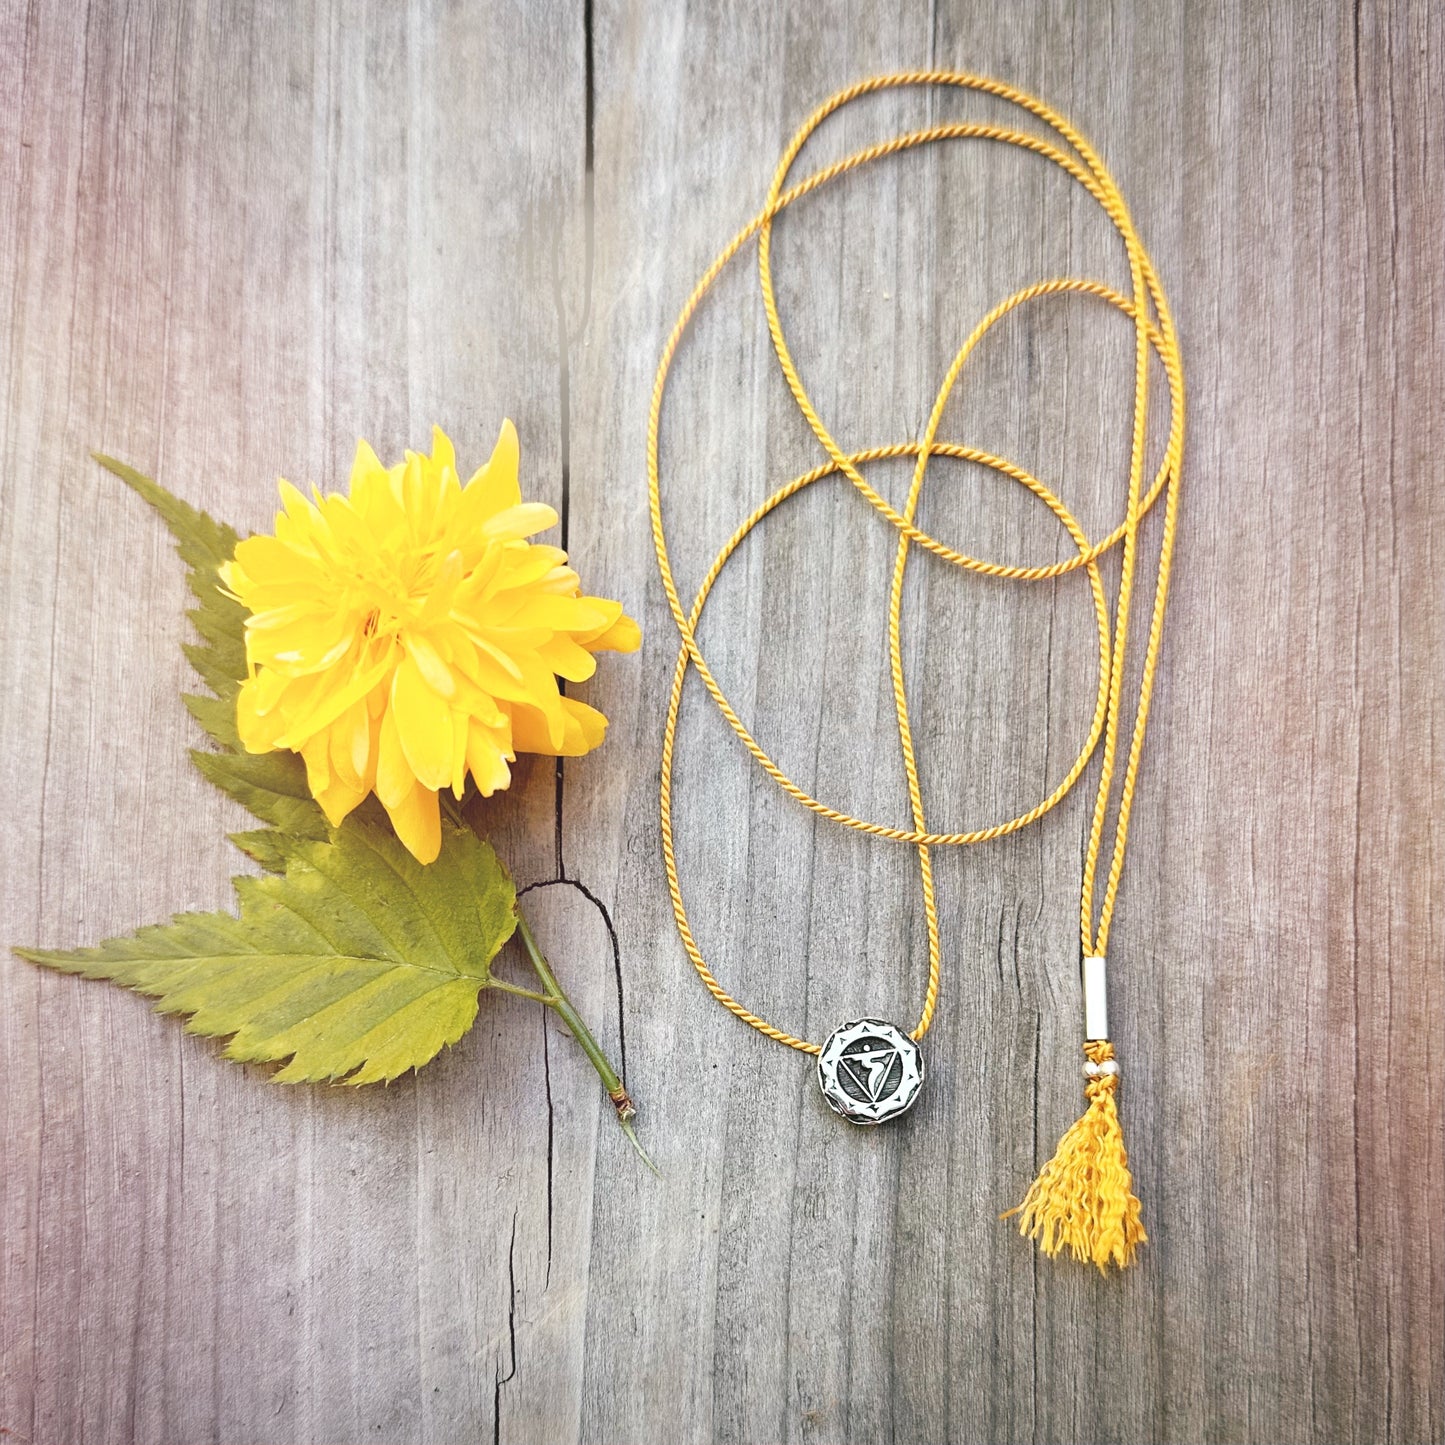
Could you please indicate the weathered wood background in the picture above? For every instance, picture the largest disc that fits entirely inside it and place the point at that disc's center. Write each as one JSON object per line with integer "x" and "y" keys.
{"x": 237, "y": 237}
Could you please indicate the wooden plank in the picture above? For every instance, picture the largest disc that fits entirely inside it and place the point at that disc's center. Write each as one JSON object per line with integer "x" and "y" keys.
{"x": 835, "y": 1285}
{"x": 238, "y": 243}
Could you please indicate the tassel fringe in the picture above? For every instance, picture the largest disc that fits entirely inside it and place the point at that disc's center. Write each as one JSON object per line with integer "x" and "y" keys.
{"x": 1083, "y": 1199}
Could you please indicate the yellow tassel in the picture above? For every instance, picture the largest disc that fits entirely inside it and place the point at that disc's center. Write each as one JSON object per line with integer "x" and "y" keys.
{"x": 1083, "y": 1199}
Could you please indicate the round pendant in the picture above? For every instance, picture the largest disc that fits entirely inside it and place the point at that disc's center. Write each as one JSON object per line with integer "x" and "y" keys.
{"x": 870, "y": 1071}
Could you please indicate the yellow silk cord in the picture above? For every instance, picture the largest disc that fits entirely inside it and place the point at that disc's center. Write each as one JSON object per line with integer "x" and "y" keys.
{"x": 1154, "y": 331}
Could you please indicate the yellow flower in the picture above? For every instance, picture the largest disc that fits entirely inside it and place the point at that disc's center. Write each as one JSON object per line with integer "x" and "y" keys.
{"x": 408, "y": 634}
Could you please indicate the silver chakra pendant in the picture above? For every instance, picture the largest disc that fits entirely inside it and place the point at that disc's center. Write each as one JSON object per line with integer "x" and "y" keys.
{"x": 870, "y": 1071}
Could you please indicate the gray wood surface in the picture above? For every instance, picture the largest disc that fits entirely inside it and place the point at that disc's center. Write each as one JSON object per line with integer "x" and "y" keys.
{"x": 237, "y": 237}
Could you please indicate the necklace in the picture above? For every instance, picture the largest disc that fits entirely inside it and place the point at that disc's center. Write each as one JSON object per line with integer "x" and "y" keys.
{"x": 869, "y": 1069}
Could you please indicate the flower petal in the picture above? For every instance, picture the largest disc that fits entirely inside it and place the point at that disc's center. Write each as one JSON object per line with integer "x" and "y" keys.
{"x": 623, "y": 636}
{"x": 316, "y": 756}
{"x": 394, "y": 777}
{"x": 326, "y": 702}
{"x": 258, "y": 731}
{"x": 350, "y": 747}
{"x": 582, "y": 729}
{"x": 568, "y": 660}
{"x": 436, "y": 674}
{"x": 367, "y": 471}
{"x": 460, "y": 729}
{"x": 423, "y": 725}
{"x": 486, "y": 760}
{"x": 586, "y": 727}
{"x": 499, "y": 476}
{"x": 492, "y": 489}
{"x": 442, "y": 452}
{"x": 518, "y": 522}
{"x": 418, "y": 823}
{"x": 338, "y": 800}
{"x": 444, "y": 589}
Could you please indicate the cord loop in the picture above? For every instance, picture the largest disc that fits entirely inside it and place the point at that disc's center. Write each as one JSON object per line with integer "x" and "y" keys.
{"x": 1154, "y": 332}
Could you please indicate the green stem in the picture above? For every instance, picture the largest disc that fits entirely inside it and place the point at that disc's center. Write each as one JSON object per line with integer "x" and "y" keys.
{"x": 555, "y": 997}
{"x": 516, "y": 988}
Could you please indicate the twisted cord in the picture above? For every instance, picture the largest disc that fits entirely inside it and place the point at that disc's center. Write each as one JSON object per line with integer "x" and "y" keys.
{"x": 1154, "y": 331}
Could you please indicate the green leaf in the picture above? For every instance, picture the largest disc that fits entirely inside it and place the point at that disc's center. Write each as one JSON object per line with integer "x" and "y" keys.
{"x": 204, "y": 544}
{"x": 356, "y": 964}
{"x": 273, "y": 785}
{"x": 264, "y": 846}
{"x": 268, "y": 785}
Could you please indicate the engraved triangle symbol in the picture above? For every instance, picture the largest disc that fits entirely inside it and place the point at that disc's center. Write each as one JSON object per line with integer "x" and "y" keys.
{"x": 870, "y": 1068}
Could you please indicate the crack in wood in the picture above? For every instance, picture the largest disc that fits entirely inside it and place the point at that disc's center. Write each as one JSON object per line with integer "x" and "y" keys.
{"x": 511, "y": 1335}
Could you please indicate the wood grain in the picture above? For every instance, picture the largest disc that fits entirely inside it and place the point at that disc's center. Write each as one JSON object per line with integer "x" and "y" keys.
{"x": 235, "y": 240}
